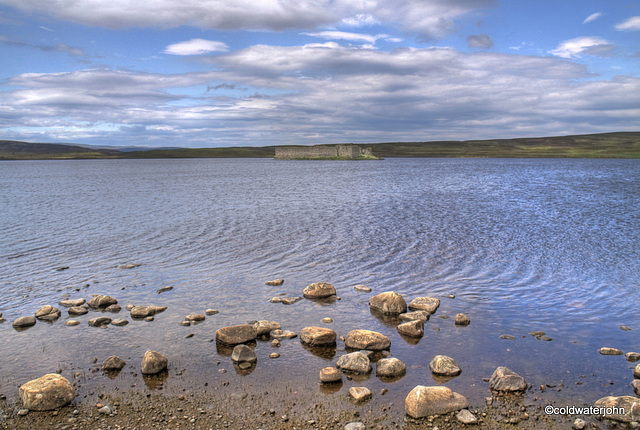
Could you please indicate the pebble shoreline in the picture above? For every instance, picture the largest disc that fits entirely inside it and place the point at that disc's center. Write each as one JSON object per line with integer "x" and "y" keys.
{"x": 502, "y": 408}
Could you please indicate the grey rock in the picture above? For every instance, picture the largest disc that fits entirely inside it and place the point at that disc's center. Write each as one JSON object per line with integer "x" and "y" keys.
{"x": 99, "y": 321}
{"x": 506, "y": 380}
{"x": 113, "y": 363}
{"x": 579, "y": 424}
{"x": 105, "y": 410}
{"x": 466, "y": 417}
{"x": 390, "y": 368}
{"x": 424, "y": 401}
{"x": 356, "y": 362}
{"x": 146, "y": 311}
{"x": 46, "y": 393}
{"x": 428, "y": 304}
{"x": 319, "y": 290}
{"x": 415, "y": 315}
{"x": 389, "y": 303}
{"x": 243, "y": 353}
{"x": 362, "y": 288}
{"x": 444, "y": 366}
{"x": 282, "y": 334}
{"x": 355, "y": 426}
{"x": 128, "y": 266}
{"x": 153, "y": 362}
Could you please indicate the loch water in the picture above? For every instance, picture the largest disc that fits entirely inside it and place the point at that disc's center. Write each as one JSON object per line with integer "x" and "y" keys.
{"x": 523, "y": 244}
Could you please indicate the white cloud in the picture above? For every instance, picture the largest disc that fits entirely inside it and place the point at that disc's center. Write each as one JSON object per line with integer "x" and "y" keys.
{"x": 426, "y": 18}
{"x": 592, "y": 17}
{"x": 632, "y": 24}
{"x": 335, "y": 93}
{"x": 351, "y": 37}
{"x": 196, "y": 47}
{"x": 575, "y": 48}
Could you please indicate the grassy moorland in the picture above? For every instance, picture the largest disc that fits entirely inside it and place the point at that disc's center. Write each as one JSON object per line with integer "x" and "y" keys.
{"x": 604, "y": 145}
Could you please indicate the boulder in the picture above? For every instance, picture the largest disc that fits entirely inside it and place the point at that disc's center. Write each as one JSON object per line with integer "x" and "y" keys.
{"x": 415, "y": 315}
{"x": 48, "y": 313}
{"x": 389, "y": 303}
{"x": 265, "y": 327}
{"x": 71, "y": 303}
{"x": 330, "y": 374}
{"x": 78, "y": 310}
{"x": 318, "y": 336}
{"x": 119, "y": 322}
{"x": 413, "y": 328}
{"x": 101, "y": 301}
{"x": 444, "y": 366}
{"x": 275, "y": 282}
{"x": 146, "y": 311}
{"x": 632, "y": 356}
{"x": 195, "y": 317}
{"x": 427, "y": 304}
{"x": 627, "y": 406}
{"x": 100, "y": 321}
{"x": 23, "y": 322}
{"x": 113, "y": 308}
{"x": 234, "y": 335}
{"x": 319, "y": 290}
{"x": 462, "y": 319}
{"x": 506, "y": 380}
{"x": 46, "y": 393}
{"x": 367, "y": 339}
{"x": 153, "y": 362}
{"x": 636, "y": 372}
{"x": 360, "y": 394}
{"x": 356, "y": 362}
{"x": 243, "y": 353}
{"x": 390, "y": 368}
{"x": 113, "y": 363}
{"x": 424, "y": 401}
{"x": 635, "y": 384}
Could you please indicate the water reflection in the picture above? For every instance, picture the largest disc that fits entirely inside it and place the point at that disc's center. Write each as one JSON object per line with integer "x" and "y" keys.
{"x": 326, "y": 352}
{"x": 331, "y": 387}
{"x": 245, "y": 368}
{"x": 156, "y": 382}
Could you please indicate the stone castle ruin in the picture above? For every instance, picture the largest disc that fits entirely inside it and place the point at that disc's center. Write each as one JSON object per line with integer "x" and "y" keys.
{"x": 343, "y": 151}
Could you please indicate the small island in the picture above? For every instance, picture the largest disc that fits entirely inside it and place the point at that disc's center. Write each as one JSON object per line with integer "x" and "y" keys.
{"x": 325, "y": 152}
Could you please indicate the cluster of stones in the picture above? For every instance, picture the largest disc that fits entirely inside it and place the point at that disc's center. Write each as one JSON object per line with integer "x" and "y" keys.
{"x": 628, "y": 405}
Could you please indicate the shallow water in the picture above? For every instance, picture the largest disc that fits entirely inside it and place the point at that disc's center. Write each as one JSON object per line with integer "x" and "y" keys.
{"x": 524, "y": 245}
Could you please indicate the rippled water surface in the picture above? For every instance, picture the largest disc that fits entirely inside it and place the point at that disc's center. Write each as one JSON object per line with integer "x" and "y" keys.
{"x": 524, "y": 245}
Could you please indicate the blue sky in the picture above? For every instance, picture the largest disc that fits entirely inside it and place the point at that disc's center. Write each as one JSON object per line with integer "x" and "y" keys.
{"x": 263, "y": 72}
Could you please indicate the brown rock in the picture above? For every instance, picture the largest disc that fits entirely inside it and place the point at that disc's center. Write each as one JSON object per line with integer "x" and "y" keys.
{"x": 234, "y": 335}
{"x": 146, "y": 311}
{"x": 362, "y": 288}
{"x": 101, "y": 301}
{"x": 462, "y": 319}
{"x": 415, "y": 315}
{"x": 445, "y": 366}
{"x": 265, "y": 327}
{"x": 71, "y": 303}
{"x": 275, "y": 282}
{"x": 356, "y": 362}
{"x": 389, "y": 303}
{"x": 428, "y": 304}
{"x": 48, "y": 313}
{"x": 46, "y": 393}
{"x": 113, "y": 363}
{"x": 610, "y": 351}
{"x": 243, "y": 353}
{"x": 627, "y": 405}
{"x": 195, "y": 317}
{"x": 153, "y": 362}
{"x": 330, "y": 374}
{"x": 636, "y": 372}
{"x": 99, "y": 321}
{"x": 635, "y": 384}
{"x": 506, "y": 380}
{"x": 367, "y": 339}
{"x": 78, "y": 310}
{"x": 413, "y": 328}
{"x": 360, "y": 394}
{"x": 282, "y": 334}
{"x": 319, "y": 290}
{"x": 632, "y": 356}
{"x": 424, "y": 401}
{"x": 24, "y": 322}
{"x": 318, "y": 336}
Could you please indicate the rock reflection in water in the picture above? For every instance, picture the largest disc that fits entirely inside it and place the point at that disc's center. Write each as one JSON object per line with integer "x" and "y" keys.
{"x": 156, "y": 382}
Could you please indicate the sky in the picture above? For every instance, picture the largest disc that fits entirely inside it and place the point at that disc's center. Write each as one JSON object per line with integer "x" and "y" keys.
{"x": 211, "y": 73}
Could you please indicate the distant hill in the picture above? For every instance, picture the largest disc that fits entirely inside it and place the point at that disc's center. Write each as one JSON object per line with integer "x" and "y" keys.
{"x": 15, "y": 150}
{"x": 603, "y": 145}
